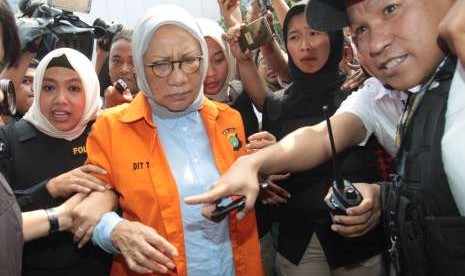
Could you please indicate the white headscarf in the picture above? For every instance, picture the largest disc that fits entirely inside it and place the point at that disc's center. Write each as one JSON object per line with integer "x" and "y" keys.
{"x": 214, "y": 31}
{"x": 153, "y": 19}
{"x": 90, "y": 83}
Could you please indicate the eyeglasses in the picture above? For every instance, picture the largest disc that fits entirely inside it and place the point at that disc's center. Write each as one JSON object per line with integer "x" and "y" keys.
{"x": 188, "y": 65}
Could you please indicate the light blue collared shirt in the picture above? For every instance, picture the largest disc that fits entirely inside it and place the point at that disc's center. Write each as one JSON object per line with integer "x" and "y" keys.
{"x": 188, "y": 151}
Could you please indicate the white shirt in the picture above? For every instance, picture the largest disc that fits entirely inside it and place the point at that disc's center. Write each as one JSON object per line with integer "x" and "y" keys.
{"x": 453, "y": 139}
{"x": 379, "y": 109}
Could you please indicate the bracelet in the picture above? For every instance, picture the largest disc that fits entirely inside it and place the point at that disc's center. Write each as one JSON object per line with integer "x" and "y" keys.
{"x": 53, "y": 220}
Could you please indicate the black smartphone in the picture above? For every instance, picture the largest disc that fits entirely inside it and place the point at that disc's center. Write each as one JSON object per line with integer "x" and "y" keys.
{"x": 121, "y": 86}
{"x": 222, "y": 211}
{"x": 257, "y": 33}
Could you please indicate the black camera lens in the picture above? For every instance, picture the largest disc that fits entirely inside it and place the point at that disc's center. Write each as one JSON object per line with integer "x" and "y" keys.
{"x": 8, "y": 104}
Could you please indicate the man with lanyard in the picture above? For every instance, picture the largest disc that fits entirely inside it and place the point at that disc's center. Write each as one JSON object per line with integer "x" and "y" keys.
{"x": 400, "y": 45}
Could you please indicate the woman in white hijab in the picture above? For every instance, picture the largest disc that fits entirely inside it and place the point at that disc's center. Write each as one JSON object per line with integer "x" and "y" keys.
{"x": 169, "y": 143}
{"x": 220, "y": 84}
{"x": 46, "y": 152}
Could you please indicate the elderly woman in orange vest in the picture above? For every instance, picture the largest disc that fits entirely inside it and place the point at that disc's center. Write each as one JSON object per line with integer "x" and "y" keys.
{"x": 169, "y": 143}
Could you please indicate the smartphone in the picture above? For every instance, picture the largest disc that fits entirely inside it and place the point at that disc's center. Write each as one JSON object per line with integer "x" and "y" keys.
{"x": 222, "y": 211}
{"x": 121, "y": 86}
{"x": 257, "y": 33}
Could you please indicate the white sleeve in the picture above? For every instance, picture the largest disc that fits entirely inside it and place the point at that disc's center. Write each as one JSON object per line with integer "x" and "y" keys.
{"x": 360, "y": 103}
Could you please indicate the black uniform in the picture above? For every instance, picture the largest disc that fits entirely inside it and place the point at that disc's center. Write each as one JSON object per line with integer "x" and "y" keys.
{"x": 29, "y": 160}
{"x": 420, "y": 211}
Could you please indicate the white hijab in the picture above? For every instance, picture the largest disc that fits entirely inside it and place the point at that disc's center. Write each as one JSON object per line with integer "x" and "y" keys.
{"x": 153, "y": 19}
{"x": 214, "y": 31}
{"x": 90, "y": 83}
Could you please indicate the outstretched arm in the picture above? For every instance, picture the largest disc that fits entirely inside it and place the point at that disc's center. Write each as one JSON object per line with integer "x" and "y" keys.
{"x": 302, "y": 149}
{"x": 36, "y": 223}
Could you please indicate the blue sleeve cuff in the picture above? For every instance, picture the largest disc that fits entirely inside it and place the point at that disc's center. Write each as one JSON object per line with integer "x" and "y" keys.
{"x": 102, "y": 232}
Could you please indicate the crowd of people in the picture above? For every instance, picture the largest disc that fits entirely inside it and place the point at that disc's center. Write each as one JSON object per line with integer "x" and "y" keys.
{"x": 118, "y": 167}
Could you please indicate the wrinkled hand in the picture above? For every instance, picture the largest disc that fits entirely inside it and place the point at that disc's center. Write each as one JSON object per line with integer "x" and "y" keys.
{"x": 355, "y": 79}
{"x": 79, "y": 180}
{"x": 113, "y": 97}
{"x": 240, "y": 179}
{"x": 64, "y": 211}
{"x": 144, "y": 250}
{"x": 87, "y": 214}
{"x": 452, "y": 29}
{"x": 259, "y": 141}
{"x": 232, "y": 37}
{"x": 230, "y": 11}
{"x": 272, "y": 194}
{"x": 362, "y": 218}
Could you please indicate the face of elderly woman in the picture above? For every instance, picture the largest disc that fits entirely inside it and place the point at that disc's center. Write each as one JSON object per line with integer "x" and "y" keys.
{"x": 177, "y": 90}
{"x": 62, "y": 98}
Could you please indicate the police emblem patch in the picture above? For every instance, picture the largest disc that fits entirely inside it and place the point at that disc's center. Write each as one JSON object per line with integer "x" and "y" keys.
{"x": 231, "y": 135}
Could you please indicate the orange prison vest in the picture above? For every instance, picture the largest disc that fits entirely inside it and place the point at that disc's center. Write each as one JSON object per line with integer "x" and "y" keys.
{"x": 124, "y": 142}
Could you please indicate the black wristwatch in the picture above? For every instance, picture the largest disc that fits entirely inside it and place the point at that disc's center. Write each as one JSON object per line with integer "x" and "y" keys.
{"x": 53, "y": 220}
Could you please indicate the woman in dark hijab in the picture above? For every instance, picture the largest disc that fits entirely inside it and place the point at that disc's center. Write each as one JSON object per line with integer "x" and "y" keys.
{"x": 306, "y": 244}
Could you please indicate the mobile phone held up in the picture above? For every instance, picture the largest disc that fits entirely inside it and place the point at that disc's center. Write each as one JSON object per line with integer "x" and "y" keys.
{"x": 121, "y": 86}
{"x": 257, "y": 33}
{"x": 345, "y": 195}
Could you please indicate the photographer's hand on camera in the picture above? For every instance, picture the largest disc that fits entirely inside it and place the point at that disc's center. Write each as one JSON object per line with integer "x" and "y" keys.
{"x": 362, "y": 218}
{"x": 79, "y": 180}
{"x": 113, "y": 97}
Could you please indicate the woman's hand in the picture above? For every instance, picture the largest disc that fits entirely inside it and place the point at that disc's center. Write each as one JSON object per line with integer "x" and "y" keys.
{"x": 65, "y": 219}
{"x": 79, "y": 180}
{"x": 230, "y": 12}
{"x": 87, "y": 214}
{"x": 232, "y": 37}
{"x": 144, "y": 250}
{"x": 259, "y": 141}
{"x": 273, "y": 194}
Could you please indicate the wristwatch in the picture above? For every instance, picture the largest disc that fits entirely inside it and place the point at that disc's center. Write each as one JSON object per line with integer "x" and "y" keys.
{"x": 53, "y": 220}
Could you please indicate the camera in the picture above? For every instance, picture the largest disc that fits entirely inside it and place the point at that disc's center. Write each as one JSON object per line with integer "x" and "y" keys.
{"x": 257, "y": 33}
{"x": 56, "y": 27}
{"x": 110, "y": 30}
{"x": 7, "y": 98}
